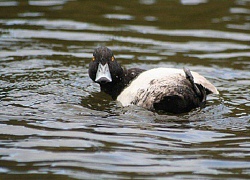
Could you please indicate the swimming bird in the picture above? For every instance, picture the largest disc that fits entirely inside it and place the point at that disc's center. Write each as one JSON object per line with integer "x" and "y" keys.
{"x": 166, "y": 89}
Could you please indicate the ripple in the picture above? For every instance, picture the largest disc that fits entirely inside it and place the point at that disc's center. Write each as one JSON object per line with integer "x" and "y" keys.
{"x": 239, "y": 10}
{"x": 70, "y": 36}
{"x": 47, "y": 2}
{"x": 31, "y": 14}
{"x": 54, "y": 122}
{"x": 193, "y": 2}
{"x": 221, "y": 55}
{"x": 119, "y": 16}
{"x": 193, "y": 33}
{"x": 58, "y": 24}
{"x": 245, "y": 26}
{"x": 8, "y": 3}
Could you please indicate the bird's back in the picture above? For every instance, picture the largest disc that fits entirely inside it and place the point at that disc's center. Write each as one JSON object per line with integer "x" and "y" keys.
{"x": 165, "y": 89}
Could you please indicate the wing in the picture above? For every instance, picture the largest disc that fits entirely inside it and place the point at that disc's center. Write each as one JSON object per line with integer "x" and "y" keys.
{"x": 168, "y": 79}
{"x": 173, "y": 94}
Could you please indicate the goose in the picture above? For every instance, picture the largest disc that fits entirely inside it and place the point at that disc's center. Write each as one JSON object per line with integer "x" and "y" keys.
{"x": 160, "y": 89}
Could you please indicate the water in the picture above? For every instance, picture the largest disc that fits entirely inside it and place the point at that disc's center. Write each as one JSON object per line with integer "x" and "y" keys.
{"x": 55, "y": 124}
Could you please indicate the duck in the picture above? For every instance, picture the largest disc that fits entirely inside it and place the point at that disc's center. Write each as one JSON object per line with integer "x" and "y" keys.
{"x": 159, "y": 89}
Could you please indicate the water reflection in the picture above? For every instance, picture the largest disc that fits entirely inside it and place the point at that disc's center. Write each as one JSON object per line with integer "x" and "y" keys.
{"x": 56, "y": 124}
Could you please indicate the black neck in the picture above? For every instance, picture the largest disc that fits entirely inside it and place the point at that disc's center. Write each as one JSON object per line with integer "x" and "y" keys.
{"x": 115, "y": 87}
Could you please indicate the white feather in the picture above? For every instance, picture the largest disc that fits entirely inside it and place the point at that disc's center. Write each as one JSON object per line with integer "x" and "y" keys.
{"x": 142, "y": 82}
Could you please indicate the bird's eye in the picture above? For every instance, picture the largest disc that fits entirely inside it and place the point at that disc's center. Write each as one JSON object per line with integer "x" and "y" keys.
{"x": 113, "y": 58}
{"x": 93, "y": 58}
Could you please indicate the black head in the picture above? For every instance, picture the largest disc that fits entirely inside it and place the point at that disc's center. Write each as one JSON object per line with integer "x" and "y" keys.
{"x": 104, "y": 68}
{"x": 106, "y": 71}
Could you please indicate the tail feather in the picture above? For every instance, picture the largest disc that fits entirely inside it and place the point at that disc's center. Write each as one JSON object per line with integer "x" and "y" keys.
{"x": 199, "y": 90}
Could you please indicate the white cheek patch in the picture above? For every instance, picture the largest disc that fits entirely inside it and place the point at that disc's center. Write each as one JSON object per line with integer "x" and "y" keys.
{"x": 103, "y": 72}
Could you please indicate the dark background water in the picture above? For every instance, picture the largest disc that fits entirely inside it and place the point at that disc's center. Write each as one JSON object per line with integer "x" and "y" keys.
{"x": 54, "y": 122}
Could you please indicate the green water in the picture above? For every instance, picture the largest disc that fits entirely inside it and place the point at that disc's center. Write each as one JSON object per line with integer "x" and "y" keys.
{"x": 55, "y": 124}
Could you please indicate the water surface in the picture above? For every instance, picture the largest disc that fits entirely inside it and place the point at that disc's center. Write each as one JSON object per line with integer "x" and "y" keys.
{"x": 55, "y": 124}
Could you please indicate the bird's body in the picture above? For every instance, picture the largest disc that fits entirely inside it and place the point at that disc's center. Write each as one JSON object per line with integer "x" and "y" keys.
{"x": 168, "y": 89}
